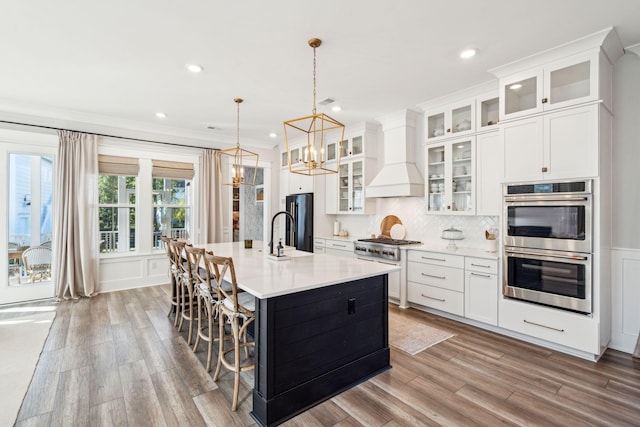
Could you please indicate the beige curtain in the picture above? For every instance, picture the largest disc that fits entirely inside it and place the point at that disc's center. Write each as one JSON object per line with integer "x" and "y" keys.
{"x": 76, "y": 216}
{"x": 210, "y": 222}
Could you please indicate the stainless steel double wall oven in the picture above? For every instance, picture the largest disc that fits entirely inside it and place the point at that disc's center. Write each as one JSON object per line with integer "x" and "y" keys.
{"x": 547, "y": 231}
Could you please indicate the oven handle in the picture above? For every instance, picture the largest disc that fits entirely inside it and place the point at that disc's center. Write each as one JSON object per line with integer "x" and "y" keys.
{"x": 554, "y": 255}
{"x": 546, "y": 199}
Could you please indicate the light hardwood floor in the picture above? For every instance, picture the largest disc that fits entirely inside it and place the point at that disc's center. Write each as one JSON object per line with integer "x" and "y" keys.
{"x": 116, "y": 359}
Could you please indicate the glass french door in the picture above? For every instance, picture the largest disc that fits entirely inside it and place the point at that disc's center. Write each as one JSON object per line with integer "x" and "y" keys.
{"x": 28, "y": 223}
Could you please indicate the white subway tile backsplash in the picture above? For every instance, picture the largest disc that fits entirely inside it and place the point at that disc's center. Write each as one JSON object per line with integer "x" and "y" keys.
{"x": 421, "y": 226}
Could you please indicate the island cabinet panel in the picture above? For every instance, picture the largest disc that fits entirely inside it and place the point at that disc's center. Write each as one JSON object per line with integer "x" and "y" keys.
{"x": 314, "y": 344}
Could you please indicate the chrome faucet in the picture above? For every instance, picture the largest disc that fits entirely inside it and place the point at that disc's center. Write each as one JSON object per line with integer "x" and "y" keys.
{"x": 273, "y": 220}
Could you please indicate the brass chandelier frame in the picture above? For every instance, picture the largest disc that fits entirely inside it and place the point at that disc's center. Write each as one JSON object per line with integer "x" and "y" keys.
{"x": 319, "y": 130}
{"x": 238, "y": 158}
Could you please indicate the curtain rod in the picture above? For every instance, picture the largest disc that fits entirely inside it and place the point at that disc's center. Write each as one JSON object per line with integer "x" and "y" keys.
{"x": 108, "y": 136}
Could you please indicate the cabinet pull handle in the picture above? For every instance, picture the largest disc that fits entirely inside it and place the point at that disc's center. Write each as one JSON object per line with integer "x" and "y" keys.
{"x": 488, "y": 276}
{"x": 339, "y": 246}
{"x": 436, "y": 299}
{"x": 435, "y": 277}
{"x": 388, "y": 263}
{"x": 543, "y": 326}
{"x": 545, "y": 169}
{"x": 480, "y": 265}
{"x": 433, "y": 259}
{"x": 544, "y": 100}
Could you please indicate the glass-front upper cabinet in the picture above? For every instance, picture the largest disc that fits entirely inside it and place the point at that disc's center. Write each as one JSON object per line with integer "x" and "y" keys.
{"x": 450, "y": 174}
{"x": 453, "y": 120}
{"x": 487, "y": 111}
{"x": 351, "y": 187}
{"x": 563, "y": 83}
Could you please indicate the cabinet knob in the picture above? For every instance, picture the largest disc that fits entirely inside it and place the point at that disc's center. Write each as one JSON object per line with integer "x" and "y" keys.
{"x": 448, "y": 130}
{"x": 544, "y": 169}
{"x": 448, "y": 207}
{"x": 544, "y": 100}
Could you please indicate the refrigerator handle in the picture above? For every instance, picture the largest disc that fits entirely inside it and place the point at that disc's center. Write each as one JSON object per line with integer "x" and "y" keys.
{"x": 292, "y": 233}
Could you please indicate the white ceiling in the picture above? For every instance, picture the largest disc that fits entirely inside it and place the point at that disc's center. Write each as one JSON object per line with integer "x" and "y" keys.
{"x": 114, "y": 64}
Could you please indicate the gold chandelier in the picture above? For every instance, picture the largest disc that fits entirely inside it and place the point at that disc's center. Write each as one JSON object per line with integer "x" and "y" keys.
{"x": 313, "y": 134}
{"x": 238, "y": 159}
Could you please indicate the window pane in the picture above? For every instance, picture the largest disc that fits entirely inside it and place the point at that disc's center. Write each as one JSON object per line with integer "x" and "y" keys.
{"x": 168, "y": 219}
{"x": 117, "y": 229}
{"x": 171, "y": 222}
{"x": 117, "y": 224}
{"x": 29, "y": 209}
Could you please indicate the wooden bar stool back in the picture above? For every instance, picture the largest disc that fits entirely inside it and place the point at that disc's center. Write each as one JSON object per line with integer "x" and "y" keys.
{"x": 172, "y": 271}
{"x": 207, "y": 296}
{"x": 188, "y": 300}
{"x": 181, "y": 275}
{"x": 237, "y": 309}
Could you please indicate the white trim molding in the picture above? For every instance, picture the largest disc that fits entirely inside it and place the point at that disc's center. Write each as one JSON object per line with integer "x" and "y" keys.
{"x": 625, "y": 288}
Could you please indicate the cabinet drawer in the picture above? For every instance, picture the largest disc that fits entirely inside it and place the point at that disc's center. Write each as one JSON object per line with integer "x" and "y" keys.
{"x": 437, "y": 258}
{"x": 317, "y": 242}
{"x": 434, "y": 297}
{"x": 339, "y": 245}
{"x": 561, "y": 327}
{"x": 481, "y": 265}
{"x": 436, "y": 275}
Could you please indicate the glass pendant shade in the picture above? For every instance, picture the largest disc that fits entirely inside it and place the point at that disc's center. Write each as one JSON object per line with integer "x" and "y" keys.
{"x": 242, "y": 164}
{"x": 314, "y": 133}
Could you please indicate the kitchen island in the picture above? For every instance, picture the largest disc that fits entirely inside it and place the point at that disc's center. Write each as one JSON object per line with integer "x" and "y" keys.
{"x": 321, "y": 325}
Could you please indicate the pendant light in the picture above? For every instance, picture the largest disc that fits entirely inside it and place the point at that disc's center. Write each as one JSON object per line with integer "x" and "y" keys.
{"x": 313, "y": 136}
{"x": 239, "y": 159}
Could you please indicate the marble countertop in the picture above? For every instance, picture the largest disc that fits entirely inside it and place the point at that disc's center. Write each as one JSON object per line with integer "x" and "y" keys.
{"x": 263, "y": 277}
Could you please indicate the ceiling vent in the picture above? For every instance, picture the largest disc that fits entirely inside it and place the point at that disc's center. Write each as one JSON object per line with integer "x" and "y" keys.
{"x": 326, "y": 101}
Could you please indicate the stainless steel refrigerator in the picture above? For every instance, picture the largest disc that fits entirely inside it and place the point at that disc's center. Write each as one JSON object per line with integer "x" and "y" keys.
{"x": 300, "y": 206}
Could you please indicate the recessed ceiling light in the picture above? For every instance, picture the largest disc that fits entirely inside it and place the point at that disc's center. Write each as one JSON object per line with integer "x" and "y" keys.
{"x": 468, "y": 53}
{"x": 515, "y": 86}
{"x": 161, "y": 115}
{"x": 273, "y": 135}
{"x": 194, "y": 68}
{"x": 336, "y": 108}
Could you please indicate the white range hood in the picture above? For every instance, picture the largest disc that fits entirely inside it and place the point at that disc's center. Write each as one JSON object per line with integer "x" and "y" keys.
{"x": 399, "y": 176}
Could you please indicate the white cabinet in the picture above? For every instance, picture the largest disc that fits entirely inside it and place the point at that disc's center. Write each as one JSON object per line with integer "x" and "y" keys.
{"x": 393, "y": 279}
{"x": 450, "y": 172}
{"x": 487, "y": 112}
{"x": 567, "y": 82}
{"x": 300, "y": 183}
{"x": 436, "y": 280}
{"x": 339, "y": 247}
{"x": 345, "y": 190}
{"x": 557, "y": 326}
{"x": 451, "y": 120}
{"x": 481, "y": 290}
{"x": 489, "y": 174}
{"x": 558, "y": 145}
{"x": 318, "y": 245}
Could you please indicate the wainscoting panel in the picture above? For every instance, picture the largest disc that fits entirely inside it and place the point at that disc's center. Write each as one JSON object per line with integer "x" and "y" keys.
{"x": 118, "y": 273}
{"x": 625, "y": 299}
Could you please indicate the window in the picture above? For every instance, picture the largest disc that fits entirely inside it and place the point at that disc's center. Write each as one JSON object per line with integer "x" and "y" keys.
{"x": 30, "y": 202}
{"x": 117, "y": 203}
{"x": 171, "y": 200}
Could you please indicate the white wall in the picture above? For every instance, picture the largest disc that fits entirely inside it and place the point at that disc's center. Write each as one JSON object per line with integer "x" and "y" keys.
{"x": 626, "y": 204}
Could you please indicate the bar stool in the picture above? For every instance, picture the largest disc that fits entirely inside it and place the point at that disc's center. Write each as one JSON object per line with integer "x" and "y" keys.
{"x": 233, "y": 306}
{"x": 192, "y": 279}
{"x": 173, "y": 307}
{"x": 207, "y": 296}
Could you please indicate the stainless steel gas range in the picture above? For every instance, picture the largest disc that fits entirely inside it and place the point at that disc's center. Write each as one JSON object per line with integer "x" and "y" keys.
{"x": 381, "y": 248}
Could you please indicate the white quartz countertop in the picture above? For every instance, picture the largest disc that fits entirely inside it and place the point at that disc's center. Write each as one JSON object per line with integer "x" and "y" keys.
{"x": 263, "y": 277}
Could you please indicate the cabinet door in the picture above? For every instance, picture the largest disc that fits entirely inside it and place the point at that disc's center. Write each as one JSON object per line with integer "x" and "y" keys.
{"x": 481, "y": 297}
{"x": 523, "y": 149}
{"x": 343, "y": 191}
{"x": 300, "y": 183}
{"x": 462, "y": 181}
{"x": 489, "y": 174}
{"x": 571, "y": 143}
{"x": 452, "y": 120}
{"x": 356, "y": 170}
{"x": 487, "y": 112}
{"x": 435, "y": 177}
{"x": 571, "y": 81}
{"x": 521, "y": 94}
